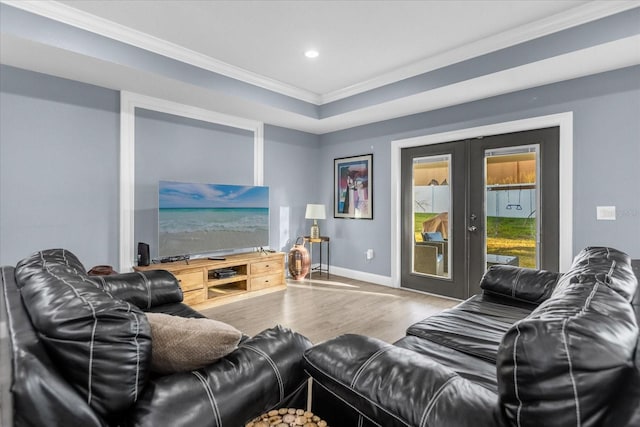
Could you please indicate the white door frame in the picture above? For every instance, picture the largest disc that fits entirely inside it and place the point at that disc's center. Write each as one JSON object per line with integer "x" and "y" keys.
{"x": 563, "y": 120}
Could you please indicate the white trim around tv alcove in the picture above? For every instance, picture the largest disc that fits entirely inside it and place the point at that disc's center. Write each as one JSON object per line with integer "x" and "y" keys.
{"x": 563, "y": 120}
{"x": 128, "y": 103}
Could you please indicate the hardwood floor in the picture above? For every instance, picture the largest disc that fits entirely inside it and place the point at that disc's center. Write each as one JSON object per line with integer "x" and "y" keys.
{"x": 321, "y": 309}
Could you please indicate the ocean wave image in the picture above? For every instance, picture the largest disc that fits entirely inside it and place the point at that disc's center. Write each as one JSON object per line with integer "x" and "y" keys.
{"x": 202, "y": 218}
{"x": 215, "y": 219}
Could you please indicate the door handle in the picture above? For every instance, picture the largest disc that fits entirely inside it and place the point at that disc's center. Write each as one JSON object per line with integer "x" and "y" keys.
{"x": 472, "y": 228}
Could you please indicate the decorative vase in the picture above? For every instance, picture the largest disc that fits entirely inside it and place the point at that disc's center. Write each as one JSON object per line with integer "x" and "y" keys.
{"x": 299, "y": 261}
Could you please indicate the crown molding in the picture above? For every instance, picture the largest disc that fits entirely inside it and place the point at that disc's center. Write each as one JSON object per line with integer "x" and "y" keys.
{"x": 68, "y": 15}
{"x": 561, "y": 21}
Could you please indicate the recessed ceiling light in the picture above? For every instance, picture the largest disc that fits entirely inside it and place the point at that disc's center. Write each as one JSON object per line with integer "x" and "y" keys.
{"x": 311, "y": 53}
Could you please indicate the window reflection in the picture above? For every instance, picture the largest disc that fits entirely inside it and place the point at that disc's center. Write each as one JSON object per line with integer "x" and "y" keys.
{"x": 431, "y": 206}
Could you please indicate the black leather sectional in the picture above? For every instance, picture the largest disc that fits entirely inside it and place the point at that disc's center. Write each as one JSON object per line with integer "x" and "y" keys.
{"x": 79, "y": 348}
{"x": 535, "y": 348}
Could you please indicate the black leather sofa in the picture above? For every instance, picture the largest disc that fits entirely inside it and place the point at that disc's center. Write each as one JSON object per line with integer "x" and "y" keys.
{"x": 78, "y": 350}
{"x": 535, "y": 348}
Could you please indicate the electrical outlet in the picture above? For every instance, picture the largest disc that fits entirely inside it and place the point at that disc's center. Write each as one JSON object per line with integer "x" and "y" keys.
{"x": 607, "y": 213}
{"x": 369, "y": 253}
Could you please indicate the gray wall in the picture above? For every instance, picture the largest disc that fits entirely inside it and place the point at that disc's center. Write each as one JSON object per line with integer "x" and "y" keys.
{"x": 291, "y": 170}
{"x": 58, "y": 167}
{"x": 606, "y": 147}
{"x": 173, "y": 148}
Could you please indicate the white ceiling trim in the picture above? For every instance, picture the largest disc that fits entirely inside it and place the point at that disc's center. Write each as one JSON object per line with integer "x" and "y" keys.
{"x": 79, "y": 19}
{"x": 62, "y": 13}
{"x": 561, "y": 21}
{"x": 609, "y": 56}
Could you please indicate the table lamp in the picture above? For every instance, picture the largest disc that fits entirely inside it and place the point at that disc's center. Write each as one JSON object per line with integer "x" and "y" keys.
{"x": 315, "y": 212}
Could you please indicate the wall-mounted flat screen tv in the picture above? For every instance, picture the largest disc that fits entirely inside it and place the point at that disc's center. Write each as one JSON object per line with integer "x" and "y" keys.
{"x": 207, "y": 218}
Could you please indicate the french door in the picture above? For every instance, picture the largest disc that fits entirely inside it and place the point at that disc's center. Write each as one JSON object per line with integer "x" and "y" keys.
{"x": 469, "y": 204}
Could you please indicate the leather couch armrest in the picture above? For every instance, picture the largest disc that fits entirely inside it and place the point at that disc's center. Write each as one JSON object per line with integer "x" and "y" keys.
{"x": 519, "y": 283}
{"x": 398, "y": 387}
{"x": 144, "y": 289}
{"x": 263, "y": 373}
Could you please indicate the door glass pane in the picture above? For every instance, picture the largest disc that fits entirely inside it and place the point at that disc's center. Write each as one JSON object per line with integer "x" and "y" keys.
{"x": 512, "y": 201}
{"x": 431, "y": 208}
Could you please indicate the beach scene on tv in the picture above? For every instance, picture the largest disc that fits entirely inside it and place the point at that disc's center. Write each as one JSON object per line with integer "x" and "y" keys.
{"x": 205, "y": 218}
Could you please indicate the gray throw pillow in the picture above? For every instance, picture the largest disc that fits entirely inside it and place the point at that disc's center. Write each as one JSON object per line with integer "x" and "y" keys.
{"x": 183, "y": 344}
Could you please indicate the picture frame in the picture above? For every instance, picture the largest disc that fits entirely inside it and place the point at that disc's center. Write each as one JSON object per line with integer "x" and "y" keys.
{"x": 353, "y": 187}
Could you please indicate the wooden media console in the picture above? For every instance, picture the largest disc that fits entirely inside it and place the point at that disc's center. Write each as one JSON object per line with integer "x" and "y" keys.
{"x": 207, "y": 283}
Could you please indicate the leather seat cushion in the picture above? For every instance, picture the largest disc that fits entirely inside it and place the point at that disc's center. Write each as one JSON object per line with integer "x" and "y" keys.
{"x": 474, "y": 327}
{"x": 393, "y": 386}
{"x": 475, "y": 370}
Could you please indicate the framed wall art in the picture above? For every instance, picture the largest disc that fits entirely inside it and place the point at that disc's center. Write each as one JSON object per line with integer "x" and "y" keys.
{"x": 353, "y": 187}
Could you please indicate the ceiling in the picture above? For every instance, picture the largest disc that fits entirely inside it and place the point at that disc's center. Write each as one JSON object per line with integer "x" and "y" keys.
{"x": 357, "y": 40}
{"x": 363, "y": 45}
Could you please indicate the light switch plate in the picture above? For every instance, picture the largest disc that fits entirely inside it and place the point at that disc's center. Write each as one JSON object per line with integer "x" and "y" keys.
{"x": 606, "y": 213}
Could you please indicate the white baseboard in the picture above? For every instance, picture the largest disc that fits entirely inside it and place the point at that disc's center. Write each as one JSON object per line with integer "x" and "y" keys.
{"x": 362, "y": 275}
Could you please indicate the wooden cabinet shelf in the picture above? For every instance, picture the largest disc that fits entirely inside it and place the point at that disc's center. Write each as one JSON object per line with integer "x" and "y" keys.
{"x": 255, "y": 274}
{"x": 219, "y": 282}
{"x": 227, "y": 289}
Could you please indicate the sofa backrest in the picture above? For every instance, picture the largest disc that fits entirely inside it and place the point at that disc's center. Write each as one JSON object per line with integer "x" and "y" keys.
{"x": 105, "y": 339}
{"x": 607, "y": 265}
{"x": 35, "y": 382}
{"x": 136, "y": 288}
{"x": 625, "y": 409}
{"x": 557, "y": 367}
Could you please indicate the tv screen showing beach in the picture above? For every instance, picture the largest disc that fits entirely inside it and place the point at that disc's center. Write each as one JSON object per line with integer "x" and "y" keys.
{"x": 206, "y": 218}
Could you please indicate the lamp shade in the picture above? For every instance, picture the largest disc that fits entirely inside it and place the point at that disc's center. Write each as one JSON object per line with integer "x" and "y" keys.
{"x": 315, "y": 212}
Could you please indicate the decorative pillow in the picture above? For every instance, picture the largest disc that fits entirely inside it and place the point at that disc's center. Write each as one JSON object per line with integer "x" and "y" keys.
{"x": 435, "y": 236}
{"x": 184, "y": 344}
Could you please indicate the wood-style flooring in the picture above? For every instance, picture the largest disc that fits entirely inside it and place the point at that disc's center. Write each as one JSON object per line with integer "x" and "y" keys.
{"x": 324, "y": 308}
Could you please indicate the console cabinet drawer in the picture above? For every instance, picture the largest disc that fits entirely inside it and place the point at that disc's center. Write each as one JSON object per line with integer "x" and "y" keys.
{"x": 266, "y": 267}
{"x": 265, "y": 281}
{"x": 191, "y": 281}
{"x": 193, "y": 297}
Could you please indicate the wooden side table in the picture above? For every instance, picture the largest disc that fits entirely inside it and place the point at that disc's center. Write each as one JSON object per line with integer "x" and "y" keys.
{"x": 320, "y": 240}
